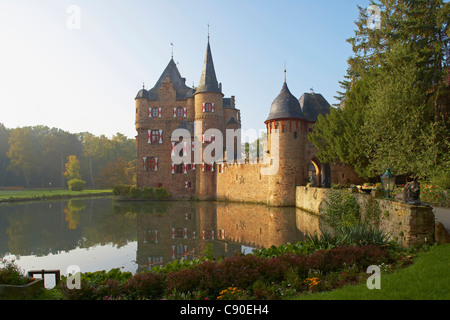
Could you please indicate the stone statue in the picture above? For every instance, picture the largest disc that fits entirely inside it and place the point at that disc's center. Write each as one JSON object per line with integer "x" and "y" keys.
{"x": 411, "y": 193}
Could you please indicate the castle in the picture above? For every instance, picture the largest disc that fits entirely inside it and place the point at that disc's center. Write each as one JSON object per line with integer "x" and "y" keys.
{"x": 288, "y": 159}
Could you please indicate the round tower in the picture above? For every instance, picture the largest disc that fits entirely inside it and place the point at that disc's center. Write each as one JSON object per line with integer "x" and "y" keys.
{"x": 208, "y": 101}
{"x": 286, "y": 140}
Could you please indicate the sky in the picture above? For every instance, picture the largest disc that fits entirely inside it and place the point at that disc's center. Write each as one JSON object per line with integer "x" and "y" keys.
{"x": 77, "y": 65}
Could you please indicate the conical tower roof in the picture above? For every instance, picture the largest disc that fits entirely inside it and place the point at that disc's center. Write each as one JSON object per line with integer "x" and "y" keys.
{"x": 208, "y": 79}
{"x": 285, "y": 106}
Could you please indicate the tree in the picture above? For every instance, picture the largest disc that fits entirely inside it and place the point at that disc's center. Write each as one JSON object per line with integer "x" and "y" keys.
{"x": 393, "y": 84}
{"x": 24, "y": 153}
{"x": 72, "y": 168}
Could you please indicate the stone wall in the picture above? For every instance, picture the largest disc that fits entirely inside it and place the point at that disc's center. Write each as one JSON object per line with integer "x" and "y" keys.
{"x": 242, "y": 183}
{"x": 409, "y": 225}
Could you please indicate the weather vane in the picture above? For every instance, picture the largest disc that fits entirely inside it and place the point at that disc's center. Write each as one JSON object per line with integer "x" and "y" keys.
{"x": 172, "y": 49}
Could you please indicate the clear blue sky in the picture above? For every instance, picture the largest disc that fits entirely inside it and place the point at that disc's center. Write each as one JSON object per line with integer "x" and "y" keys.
{"x": 83, "y": 74}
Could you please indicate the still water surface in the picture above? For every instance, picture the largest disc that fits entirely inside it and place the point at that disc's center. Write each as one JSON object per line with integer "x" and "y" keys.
{"x": 101, "y": 234}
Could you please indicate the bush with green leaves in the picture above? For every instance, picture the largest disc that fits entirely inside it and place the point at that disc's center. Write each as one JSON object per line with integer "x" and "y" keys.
{"x": 11, "y": 274}
{"x": 340, "y": 209}
{"x": 76, "y": 184}
{"x": 135, "y": 192}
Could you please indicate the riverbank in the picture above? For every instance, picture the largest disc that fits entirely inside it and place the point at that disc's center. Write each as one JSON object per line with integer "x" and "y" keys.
{"x": 47, "y": 194}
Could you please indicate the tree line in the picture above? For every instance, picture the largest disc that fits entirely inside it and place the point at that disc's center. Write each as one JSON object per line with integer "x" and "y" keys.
{"x": 36, "y": 157}
{"x": 394, "y": 109}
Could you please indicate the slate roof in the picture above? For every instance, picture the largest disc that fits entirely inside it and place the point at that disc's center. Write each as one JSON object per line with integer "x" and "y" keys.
{"x": 285, "y": 106}
{"x": 313, "y": 104}
{"x": 227, "y": 103}
{"x": 208, "y": 79}
{"x": 179, "y": 84}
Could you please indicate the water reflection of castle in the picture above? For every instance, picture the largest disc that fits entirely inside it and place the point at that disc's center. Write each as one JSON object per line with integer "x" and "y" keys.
{"x": 184, "y": 230}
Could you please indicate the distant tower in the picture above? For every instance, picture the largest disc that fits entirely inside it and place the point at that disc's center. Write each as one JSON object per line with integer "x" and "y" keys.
{"x": 287, "y": 119}
{"x": 208, "y": 100}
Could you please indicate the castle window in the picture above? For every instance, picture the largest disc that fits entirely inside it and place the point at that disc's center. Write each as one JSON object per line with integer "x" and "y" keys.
{"x": 154, "y": 112}
{"x": 179, "y": 168}
{"x": 179, "y": 112}
{"x": 207, "y": 167}
{"x": 295, "y": 135}
{"x": 208, "y": 107}
{"x": 154, "y": 136}
{"x": 150, "y": 163}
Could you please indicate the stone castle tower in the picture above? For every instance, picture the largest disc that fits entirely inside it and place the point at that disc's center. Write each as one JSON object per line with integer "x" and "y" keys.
{"x": 172, "y": 105}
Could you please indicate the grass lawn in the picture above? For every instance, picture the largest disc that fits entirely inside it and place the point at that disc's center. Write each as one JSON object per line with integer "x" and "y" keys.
{"x": 45, "y": 193}
{"x": 428, "y": 278}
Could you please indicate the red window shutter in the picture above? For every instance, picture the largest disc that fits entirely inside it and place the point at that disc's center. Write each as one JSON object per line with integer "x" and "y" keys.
{"x": 173, "y": 168}
{"x": 174, "y": 112}
{"x": 203, "y": 167}
{"x": 159, "y": 112}
{"x": 184, "y": 112}
{"x": 192, "y": 145}
{"x": 212, "y": 107}
{"x": 144, "y": 160}
{"x": 185, "y": 149}
{"x": 172, "y": 153}
{"x": 160, "y": 136}
{"x": 184, "y": 168}
{"x": 149, "y": 112}
{"x": 203, "y": 107}
{"x": 149, "y": 136}
{"x": 156, "y": 164}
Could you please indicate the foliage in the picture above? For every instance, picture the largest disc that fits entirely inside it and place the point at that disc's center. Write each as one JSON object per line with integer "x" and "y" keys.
{"x": 393, "y": 84}
{"x": 134, "y": 192}
{"x": 340, "y": 209}
{"x": 147, "y": 193}
{"x": 12, "y": 274}
{"x": 161, "y": 193}
{"x": 356, "y": 235}
{"x": 240, "y": 277}
{"x": 72, "y": 168}
{"x": 76, "y": 184}
{"x": 35, "y": 156}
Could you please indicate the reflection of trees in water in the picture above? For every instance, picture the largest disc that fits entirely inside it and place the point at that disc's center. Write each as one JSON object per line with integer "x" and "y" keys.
{"x": 41, "y": 228}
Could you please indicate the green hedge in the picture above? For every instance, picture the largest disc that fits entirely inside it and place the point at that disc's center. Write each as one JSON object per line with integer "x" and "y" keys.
{"x": 136, "y": 193}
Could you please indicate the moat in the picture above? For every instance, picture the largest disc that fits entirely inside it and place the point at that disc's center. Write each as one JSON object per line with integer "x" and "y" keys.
{"x": 101, "y": 234}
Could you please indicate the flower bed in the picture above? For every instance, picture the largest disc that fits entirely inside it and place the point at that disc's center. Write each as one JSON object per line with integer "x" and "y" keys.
{"x": 241, "y": 277}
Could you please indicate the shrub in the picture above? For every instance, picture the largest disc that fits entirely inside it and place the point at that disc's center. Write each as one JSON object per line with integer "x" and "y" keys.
{"x": 340, "y": 209}
{"x": 12, "y": 274}
{"x": 149, "y": 285}
{"x": 121, "y": 190}
{"x": 161, "y": 193}
{"x": 76, "y": 184}
{"x": 147, "y": 193}
{"x": 135, "y": 192}
{"x": 356, "y": 235}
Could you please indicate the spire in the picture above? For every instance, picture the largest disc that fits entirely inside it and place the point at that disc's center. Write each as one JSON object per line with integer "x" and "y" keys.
{"x": 208, "y": 80}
